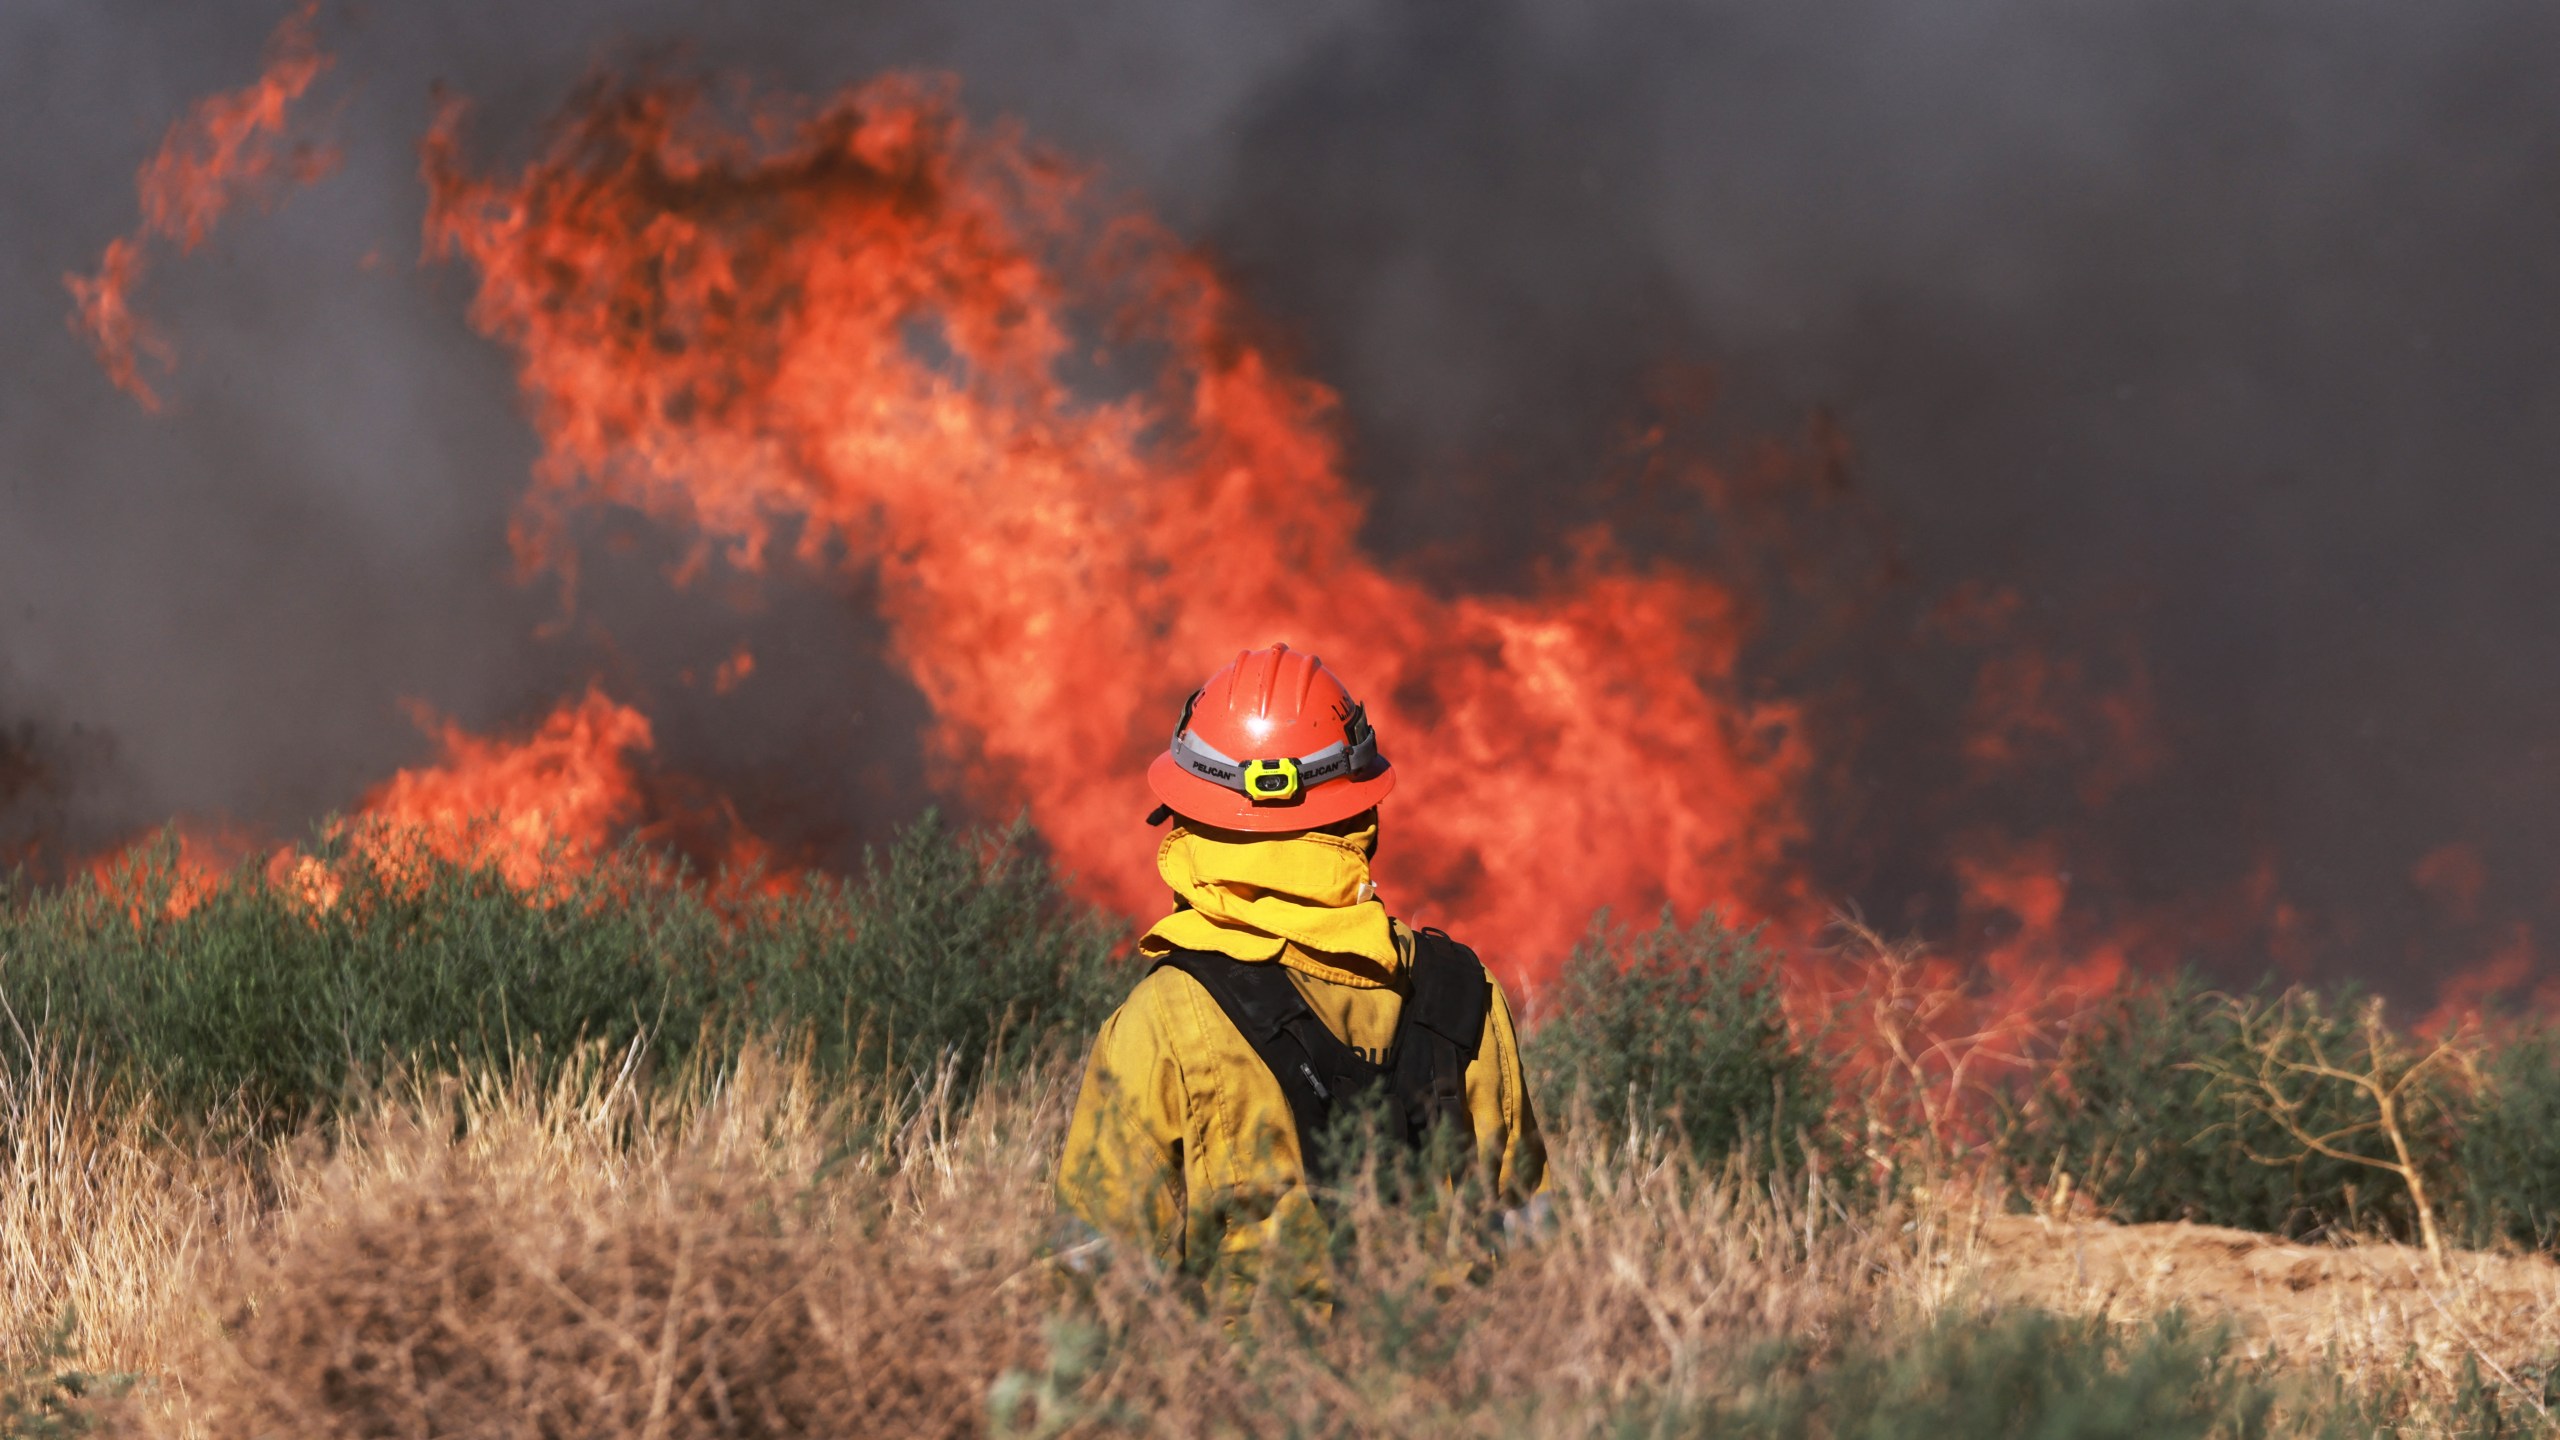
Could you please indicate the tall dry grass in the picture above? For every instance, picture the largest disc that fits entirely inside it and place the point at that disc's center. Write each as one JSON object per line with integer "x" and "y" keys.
{"x": 747, "y": 1254}
{"x": 102, "y": 1210}
{"x": 741, "y": 1254}
{"x": 755, "y": 1251}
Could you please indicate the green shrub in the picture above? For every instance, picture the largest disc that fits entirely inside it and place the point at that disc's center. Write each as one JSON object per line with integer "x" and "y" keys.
{"x": 2138, "y": 1108}
{"x": 951, "y": 945}
{"x": 2510, "y": 1146}
{"x": 948, "y": 946}
{"x": 1681, "y": 1028}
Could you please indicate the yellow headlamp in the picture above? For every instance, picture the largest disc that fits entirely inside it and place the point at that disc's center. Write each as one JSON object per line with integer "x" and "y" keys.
{"x": 1270, "y": 780}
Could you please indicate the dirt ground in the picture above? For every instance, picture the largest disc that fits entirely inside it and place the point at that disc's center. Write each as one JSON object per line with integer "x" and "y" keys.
{"x": 2364, "y": 1303}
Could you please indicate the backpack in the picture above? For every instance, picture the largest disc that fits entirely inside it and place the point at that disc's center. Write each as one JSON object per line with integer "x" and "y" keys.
{"x": 1422, "y": 1082}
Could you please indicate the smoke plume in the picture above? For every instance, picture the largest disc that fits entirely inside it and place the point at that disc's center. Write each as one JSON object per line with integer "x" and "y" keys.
{"x": 2124, "y": 424}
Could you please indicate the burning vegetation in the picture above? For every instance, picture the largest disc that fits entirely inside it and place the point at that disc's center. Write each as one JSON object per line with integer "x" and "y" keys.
{"x": 560, "y": 1020}
{"x": 538, "y": 810}
{"x": 267, "y": 1157}
{"x": 858, "y": 324}
{"x": 864, "y": 337}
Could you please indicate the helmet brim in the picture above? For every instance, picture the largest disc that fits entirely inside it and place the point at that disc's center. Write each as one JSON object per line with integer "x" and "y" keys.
{"x": 1210, "y": 803}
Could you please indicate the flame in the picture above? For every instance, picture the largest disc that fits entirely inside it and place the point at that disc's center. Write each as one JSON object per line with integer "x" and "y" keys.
{"x": 1923, "y": 1040}
{"x": 2453, "y": 877}
{"x": 545, "y": 807}
{"x": 102, "y": 309}
{"x": 2023, "y": 890}
{"x": 539, "y": 809}
{"x": 230, "y": 146}
{"x": 869, "y": 333}
{"x": 1080, "y": 480}
{"x": 2464, "y": 996}
{"x": 2025, "y": 702}
{"x": 199, "y": 858}
{"x": 860, "y": 324}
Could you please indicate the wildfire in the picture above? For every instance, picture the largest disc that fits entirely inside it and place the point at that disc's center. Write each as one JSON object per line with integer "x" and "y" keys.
{"x": 2454, "y": 878}
{"x": 2466, "y": 995}
{"x": 724, "y": 331}
{"x": 875, "y": 329}
{"x": 196, "y": 859}
{"x": 539, "y": 809}
{"x": 2023, "y": 890}
{"x": 1048, "y": 433}
{"x": 231, "y": 146}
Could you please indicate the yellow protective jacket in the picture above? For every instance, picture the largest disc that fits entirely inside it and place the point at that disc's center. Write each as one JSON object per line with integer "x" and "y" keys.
{"x": 1182, "y": 1142}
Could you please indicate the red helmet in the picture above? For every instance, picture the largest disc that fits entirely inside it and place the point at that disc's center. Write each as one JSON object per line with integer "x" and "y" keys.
{"x": 1272, "y": 742}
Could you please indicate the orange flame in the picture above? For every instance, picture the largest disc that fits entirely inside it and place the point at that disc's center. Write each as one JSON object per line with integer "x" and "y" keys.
{"x": 102, "y": 308}
{"x": 2023, "y": 890}
{"x": 538, "y": 809}
{"x": 2025, "y": 701}
{"x": 2453, "y": 877}
{"x": 201, "y": 856}
{"x": 864, "y": 328}
{"x": 229, "y": 146}
{"x": 2464, "y": 996}
{"x": 1922, "y": 1040}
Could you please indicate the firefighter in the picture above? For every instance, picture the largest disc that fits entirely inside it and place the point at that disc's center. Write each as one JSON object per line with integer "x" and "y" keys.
{"x": 1282, "y": 993}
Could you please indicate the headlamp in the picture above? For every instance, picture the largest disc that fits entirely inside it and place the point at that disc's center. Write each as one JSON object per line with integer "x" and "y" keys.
{"x": 1281, "y": 779}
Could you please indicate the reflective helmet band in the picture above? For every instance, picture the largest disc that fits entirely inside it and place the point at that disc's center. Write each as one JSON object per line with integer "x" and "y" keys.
{"x": 1271, "y": 782}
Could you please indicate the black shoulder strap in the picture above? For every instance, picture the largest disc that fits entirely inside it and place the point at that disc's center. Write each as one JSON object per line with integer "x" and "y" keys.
{"x": 1442, "y": 1029}
{"x": 1451, "y": 992}
{"x": 1437, "y": 1037}
{"x": 1313, "y": 1067}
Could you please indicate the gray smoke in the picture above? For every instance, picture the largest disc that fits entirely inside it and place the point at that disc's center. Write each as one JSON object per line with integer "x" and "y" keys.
{"x": 242, "y": 590}
{"x": 2223, "y": 331}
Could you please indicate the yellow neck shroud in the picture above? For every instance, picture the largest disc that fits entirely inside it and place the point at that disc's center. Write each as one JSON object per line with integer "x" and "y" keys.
{"x": 1256, "y": 899}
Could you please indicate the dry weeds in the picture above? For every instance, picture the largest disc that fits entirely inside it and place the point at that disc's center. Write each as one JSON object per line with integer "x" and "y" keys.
{"x": 747, "y": 1254}
{"x": 101, "y": 1213}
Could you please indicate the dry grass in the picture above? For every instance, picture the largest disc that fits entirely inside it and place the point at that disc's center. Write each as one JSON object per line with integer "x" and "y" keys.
{"x": 736, "y": 1257}
{"x": 746, "y": 1254}
{"x": 101, "y": 1212}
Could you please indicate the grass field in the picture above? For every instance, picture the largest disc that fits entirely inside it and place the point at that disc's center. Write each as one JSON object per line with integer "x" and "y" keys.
{"x": 627, "y": 1158}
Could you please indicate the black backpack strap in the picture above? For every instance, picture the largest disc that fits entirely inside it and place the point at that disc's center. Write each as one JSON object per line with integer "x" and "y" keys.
{"x": 1437, "y": 1037}
{"x": 1314, "y": 1069}
{"x": 1442, "y": 1029}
